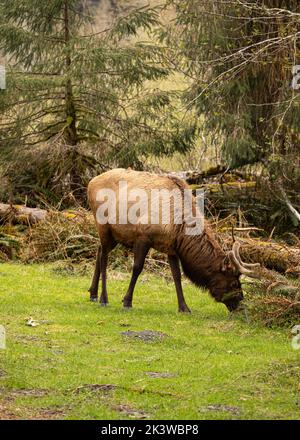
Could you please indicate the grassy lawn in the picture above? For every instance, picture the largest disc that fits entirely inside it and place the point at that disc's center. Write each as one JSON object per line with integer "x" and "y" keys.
{"x": 78, "y": 364}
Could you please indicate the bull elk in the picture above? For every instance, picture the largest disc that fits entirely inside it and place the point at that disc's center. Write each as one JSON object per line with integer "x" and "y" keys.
{"x": 203, "y": 260}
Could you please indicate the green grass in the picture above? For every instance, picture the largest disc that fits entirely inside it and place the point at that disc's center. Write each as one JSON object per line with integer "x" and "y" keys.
{"x": 223, "y": 368}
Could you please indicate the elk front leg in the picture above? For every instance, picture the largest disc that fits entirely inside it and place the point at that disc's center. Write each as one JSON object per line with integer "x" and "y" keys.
{"x": 175, "y": 269}
{"x": 140, "y": 252}
{"x": 103, "y": 261}
{"x": 95, "y": 282}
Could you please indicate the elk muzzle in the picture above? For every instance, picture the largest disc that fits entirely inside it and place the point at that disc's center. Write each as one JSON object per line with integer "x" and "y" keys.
{"x": 233, "y": 302}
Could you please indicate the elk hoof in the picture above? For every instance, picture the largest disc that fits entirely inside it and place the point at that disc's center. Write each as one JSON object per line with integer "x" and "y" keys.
{"x": 127, "y": 307}
{"x": 185, "y": 310}
{"x": 93, "y": 299}
{"x": 103, "y": 303}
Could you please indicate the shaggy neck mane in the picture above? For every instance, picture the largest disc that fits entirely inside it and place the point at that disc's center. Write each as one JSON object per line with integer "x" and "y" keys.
{"x": 201, "y": 256}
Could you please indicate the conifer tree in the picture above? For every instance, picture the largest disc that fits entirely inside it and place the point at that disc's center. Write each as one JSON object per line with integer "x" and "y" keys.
{"x": 71, "y": 86}
{"x": 239, "y": 56}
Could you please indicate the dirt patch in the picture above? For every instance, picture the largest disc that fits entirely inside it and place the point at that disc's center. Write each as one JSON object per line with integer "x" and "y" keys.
{"x": 103, "y": 388}
{"x": 42, "y": 414}
{"x": 234, "y": 410}
{"x": 106, "y": 389}
{"x": 8, "y": 410}
{"x": 157, "y": 375}
{"x": 145, "y": 335}
{"x": 49, "y": 414}
{"x": 28, "y": 339}
{"x": 6, "y": 414}
{"x": 28, "y": 392}
{"x": 130, "y": 412}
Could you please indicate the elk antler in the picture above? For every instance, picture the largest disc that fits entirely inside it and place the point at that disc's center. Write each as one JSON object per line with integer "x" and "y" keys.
{"x": 236, "y": 250}
{"x": 243, "y": 268}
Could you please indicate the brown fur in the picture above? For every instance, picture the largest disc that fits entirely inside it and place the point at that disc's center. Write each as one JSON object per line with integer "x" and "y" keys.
{"x": 203, "y": 260}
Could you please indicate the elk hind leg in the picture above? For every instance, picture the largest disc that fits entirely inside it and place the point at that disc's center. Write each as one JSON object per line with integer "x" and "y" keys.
{"x": 107, "y": 246}
{"x": 95, "y": 282}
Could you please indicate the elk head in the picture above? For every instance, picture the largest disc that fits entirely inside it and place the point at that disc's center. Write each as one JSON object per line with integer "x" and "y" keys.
{"x": 227, "y": 286}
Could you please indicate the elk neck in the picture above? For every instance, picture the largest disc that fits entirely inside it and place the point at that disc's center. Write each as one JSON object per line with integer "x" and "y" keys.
{"x": 201, "y": 257}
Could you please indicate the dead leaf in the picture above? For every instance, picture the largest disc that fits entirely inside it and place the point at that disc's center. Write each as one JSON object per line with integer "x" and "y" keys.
{"x": 32, "y": 323}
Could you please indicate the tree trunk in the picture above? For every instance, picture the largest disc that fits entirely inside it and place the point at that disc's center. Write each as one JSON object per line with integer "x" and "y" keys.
{"x": 71, "y": 131}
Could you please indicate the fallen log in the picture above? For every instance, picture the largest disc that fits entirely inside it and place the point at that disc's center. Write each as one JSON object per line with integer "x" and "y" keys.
{"x": 17, "y": 214}
{"x": 219, "y": 172}
{"x": 194, "y": 177}
{"x": 271, "y": 255}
